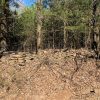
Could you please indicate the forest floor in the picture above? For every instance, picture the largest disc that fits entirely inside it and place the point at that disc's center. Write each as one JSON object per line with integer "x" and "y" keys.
{"x": 50, "y": 75}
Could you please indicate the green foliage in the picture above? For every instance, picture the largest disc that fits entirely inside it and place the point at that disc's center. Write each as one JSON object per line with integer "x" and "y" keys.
{"x": 59, "y": 17}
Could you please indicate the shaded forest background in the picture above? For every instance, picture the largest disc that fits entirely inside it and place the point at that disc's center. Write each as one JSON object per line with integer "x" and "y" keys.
{"x": 51, "y": 24}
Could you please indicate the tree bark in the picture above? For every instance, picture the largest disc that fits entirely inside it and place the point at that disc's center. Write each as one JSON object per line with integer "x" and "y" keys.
{"x": 39, "y": 24}
{"x": 93, "y": 22}
{"x": 39, "y": 38}
{"x": 65, "y": 36}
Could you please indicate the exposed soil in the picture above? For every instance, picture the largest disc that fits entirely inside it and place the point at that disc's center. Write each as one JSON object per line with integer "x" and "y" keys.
{"x": 50, "y": 75}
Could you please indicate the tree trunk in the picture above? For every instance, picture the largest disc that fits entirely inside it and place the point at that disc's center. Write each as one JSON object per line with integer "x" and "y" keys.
{"x": 4, "y": 24}
{"x": 6, "y": 11}
{"x": 53, "y": 42}
{"x": 39, "y": 38}
{"x": 65, "y": 36}
{"x": 93, "y": 24}
{"x": 7, "y": 14}
{"x": 39, "y": 24}
{"x": 88, "y": 40}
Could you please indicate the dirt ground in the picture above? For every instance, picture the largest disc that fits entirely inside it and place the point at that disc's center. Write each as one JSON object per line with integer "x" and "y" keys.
{"x": 50, "y": 75}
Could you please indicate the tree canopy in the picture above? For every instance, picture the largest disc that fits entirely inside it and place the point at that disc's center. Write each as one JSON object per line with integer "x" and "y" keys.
{"x": 54, "y": 23}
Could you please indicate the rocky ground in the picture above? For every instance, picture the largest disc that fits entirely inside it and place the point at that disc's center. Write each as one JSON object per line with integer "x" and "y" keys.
{"x": 50, "y": 75}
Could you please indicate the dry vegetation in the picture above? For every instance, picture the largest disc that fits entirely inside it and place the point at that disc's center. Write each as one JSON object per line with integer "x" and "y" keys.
{"x": 50, "y": 75}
